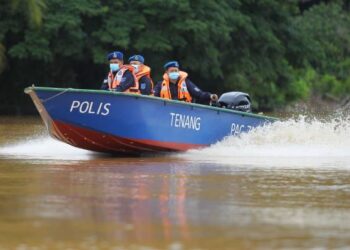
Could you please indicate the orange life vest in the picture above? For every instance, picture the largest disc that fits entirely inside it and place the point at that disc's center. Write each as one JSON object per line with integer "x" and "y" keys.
{"x": 114, "y": 81}
{"x": 182, "y": 91}
{"x": 144, "y": 71}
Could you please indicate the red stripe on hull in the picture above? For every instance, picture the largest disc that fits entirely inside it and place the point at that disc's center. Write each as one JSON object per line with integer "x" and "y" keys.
{"x": 100, "y": 142}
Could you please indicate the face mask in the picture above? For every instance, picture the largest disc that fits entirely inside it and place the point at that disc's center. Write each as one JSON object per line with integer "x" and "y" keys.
{"x": 174, "y": 75}
{"x": 114, "y": 67}
{"x": 136, "y": 67}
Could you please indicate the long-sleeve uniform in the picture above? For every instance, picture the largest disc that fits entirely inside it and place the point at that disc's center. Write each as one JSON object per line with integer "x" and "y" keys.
{"x": 145, "y": 84}
{"x": 126, "y": 82}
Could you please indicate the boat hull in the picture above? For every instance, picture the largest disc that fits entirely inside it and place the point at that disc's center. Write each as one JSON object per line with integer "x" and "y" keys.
{"x": 114, "y": 122}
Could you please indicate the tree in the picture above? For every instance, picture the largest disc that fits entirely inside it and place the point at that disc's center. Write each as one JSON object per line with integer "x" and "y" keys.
{"x": 324, "y": 31}
{"x": 33, "y": 9}
{"x": 267, "y": 48}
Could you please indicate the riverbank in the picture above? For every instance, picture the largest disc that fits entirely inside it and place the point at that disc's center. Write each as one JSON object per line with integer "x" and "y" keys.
{"x": 317, "y": 106}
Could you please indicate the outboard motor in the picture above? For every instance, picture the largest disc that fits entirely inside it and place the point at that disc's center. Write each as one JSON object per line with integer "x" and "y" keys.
{"x": 236, "y": 100}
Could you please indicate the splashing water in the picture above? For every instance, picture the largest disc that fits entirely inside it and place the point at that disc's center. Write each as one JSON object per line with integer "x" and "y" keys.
{"x": 44, "y": 147}
{"x": 295, "y": 142}
{"x": 299, "y": 142}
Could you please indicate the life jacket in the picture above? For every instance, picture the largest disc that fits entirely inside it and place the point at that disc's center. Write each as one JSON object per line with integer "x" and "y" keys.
{"x": 114, "y": 81}
{"x": 182, "y": 91}
{"x": 145, "y": 71}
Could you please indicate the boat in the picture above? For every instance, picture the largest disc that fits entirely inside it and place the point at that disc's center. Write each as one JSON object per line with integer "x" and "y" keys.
{"x": 126, "y": 123}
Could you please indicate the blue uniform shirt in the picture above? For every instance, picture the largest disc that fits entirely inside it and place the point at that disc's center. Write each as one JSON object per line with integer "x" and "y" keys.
{"x": 145, "y": 85}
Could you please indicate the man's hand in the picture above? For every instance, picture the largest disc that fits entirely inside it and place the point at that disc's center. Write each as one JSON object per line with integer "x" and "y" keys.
{"x": 214, "y": 97}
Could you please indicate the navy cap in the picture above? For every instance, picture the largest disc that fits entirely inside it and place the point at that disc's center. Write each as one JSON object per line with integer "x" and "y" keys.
{"x": 138, "y": 58}
{"x": 171, "y": 64}
{"x": 115, "y": 55}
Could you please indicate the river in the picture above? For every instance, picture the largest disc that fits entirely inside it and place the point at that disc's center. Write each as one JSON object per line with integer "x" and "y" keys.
{"x": 286, "y": 186}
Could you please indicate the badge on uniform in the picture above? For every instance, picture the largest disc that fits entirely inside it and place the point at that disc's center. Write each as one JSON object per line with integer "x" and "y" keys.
{"x": 143, "y": 85}
{"x": 123, "y": 79}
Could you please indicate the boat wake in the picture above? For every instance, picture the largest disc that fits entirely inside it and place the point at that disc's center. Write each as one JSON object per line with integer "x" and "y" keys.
{"x": 43, "y": 147}
{"x": 300, "y": 142}
{"x": 296, "y": 143}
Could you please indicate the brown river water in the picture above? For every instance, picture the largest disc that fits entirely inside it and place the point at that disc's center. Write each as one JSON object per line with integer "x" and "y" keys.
{"x": 286, "y": 186}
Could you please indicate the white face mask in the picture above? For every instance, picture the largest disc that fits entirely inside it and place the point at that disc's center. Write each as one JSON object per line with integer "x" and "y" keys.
{"x": 174, "y": 75}
{"x": 136, "y": 67}
{"x": 114, "y": 67}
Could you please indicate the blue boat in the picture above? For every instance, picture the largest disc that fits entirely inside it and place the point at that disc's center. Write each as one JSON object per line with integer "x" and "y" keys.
{"x": 114, "y": 122}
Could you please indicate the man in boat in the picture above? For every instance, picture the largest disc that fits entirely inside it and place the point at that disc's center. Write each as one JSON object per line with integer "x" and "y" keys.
{"x": 176, "y": 85}
{"x": 142, "y": 73}
{"x": 121, "y": 77}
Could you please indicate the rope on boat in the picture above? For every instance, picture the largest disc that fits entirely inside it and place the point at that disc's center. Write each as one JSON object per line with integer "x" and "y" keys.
{"x": 54, "y": 96}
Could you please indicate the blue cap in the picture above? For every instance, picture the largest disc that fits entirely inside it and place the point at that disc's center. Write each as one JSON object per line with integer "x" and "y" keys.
{"x": 115, "y": 55}
{"x": 138, "y": 58}
{"x": 171, "y": 64}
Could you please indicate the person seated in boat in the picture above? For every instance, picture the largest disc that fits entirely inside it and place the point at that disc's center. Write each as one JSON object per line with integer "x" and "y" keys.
{"x": 121, "y": 77}
{"x": 142, "y": 73}
{"x": 176, "y": 85}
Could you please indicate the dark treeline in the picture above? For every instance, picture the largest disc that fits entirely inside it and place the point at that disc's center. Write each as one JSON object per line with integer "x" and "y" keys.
{"x": 278, "y": 51}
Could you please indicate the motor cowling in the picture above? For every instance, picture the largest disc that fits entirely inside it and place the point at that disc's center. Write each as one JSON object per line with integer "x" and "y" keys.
{"x": 236, "y": 100}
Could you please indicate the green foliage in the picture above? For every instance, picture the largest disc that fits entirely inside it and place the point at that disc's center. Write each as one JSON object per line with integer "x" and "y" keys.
{"x": 266, "y": 48}
{"x": 33, "y": 9}
{"x": 310, "y": 82}
{"x": 2, "y": 58}
{"x": 324, "y": 29}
